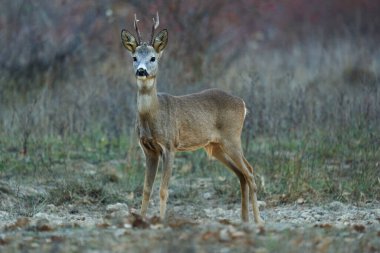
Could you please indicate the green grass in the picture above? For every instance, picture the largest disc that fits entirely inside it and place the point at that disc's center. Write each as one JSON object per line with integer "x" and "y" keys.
{"x": 318, "y": 165}
{"x": 79, "y": 169}
{"x": 341, "y": 165}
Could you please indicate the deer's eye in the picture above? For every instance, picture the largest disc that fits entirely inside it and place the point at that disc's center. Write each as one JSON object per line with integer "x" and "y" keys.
{"x": 134, "y": 58}
{"x": 153, "y": 59}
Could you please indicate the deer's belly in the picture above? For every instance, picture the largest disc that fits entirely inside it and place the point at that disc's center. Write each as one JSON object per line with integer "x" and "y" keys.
{"x": 190, "y": 147}
{"x": 194, "y": 142}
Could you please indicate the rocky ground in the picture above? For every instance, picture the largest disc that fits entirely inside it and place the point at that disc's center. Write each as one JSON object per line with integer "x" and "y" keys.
{"x": 205, "y": 227}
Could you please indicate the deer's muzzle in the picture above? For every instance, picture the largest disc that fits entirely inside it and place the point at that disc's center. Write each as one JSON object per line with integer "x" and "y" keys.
{"x": 141, "y": 72}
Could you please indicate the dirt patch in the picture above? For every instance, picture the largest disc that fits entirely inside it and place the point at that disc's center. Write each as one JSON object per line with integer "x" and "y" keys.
{"x": 202, "y": 226}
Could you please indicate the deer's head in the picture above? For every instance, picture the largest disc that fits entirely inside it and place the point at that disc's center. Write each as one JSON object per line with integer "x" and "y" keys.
{"x": 145, "y": 55}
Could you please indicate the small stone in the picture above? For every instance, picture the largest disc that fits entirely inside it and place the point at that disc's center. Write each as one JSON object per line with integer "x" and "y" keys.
{"x": 3, "y": 214}
{"x": 119, "y": 232}
{"x": 261, "y": 204}
{"x": 51, "y": 208}
{"x": 300, "y": 201}
{"x": 41, "y": 216}
{"x": 35, "y": 245}
{"x": 116, "y": 214}
{"x": 207, "y": 195}
{"x": 224, "y": 235}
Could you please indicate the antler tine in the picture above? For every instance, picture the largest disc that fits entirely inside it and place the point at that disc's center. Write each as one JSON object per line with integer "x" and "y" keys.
{"x": 137, "y": 30}
{"x": 156, "y": 22}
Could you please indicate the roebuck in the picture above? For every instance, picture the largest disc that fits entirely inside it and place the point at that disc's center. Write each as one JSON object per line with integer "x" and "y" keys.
{"x": 211, "y": 119}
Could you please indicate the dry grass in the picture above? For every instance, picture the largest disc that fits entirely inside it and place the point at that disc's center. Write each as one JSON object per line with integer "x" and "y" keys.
{"x": 313, "y": 119}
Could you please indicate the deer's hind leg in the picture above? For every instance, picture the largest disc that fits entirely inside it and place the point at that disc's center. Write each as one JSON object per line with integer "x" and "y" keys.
{"x": 215, "y": 151}
{"x": 235, "y": 154}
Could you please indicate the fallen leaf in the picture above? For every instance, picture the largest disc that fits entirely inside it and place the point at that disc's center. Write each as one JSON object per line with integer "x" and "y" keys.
{"x": 359, "y": 228}
{"x": 284, "y": 198}
{"x": 225, "y": 222}
{"x": 4, "y": 241}
{"x": 208, "y": 235}
{"x": 137, "y": 221}
{"x": 155, "y": 220}
{"x": 45, "y": 228}
{"x": 323, "y": 225}
{"x": 261, "y": 230}
{"x": 57, "y": 238}
{"x": 324, "y": 244}
{"x": 44, "y": 225}
{"x": 102, "y": 225}
{"x": 20, "y": 223}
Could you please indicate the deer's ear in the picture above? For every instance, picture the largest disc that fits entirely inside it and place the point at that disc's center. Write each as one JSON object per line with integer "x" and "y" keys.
{"x": 129, "y": 41}
{"x": 160, "y": 41}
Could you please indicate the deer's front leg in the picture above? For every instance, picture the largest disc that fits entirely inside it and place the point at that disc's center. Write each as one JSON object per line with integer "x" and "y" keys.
{"x": 152, "y": 159}
{"x": 168, "y": 160}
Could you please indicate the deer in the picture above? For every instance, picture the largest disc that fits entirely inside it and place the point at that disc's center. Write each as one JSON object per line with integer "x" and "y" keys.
{"x": 211, "y": 119}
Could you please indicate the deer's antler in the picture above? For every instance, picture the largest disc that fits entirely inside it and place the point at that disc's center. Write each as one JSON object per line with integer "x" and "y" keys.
{"x": 137, "y": 30}
{"x": 156, "y": 22}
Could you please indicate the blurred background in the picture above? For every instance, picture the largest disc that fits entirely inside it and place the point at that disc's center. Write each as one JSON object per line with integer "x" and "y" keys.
{"x": 302, "y": 66}
{"x": 298, "y": 64}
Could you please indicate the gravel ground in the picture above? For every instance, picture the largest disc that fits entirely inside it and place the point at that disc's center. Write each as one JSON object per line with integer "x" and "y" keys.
{"x": 204, "y": 227}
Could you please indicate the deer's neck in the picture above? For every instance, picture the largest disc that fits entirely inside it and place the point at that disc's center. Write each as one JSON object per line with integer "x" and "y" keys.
{"x": 147, "y": 101}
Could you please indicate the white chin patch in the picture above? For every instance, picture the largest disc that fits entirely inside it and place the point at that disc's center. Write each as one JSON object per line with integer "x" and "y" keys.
{"x": 141, "y": 77}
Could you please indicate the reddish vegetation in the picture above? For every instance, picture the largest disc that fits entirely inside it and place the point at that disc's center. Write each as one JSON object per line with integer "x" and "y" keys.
{"x": 39, "y": 35}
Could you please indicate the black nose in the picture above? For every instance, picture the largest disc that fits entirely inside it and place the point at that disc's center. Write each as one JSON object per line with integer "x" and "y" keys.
{"x": 141, "y": 72}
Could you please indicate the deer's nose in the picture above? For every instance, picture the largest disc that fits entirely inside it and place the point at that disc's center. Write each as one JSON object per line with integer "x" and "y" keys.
{"x": 141, "y": 72}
